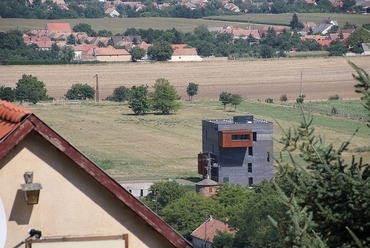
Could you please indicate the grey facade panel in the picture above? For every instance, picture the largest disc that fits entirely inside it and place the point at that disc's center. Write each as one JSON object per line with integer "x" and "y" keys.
{"x": 233, "y": 162}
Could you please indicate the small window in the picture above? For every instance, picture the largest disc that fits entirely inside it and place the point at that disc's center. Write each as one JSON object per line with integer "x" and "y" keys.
{"x": 250, "y": 167}
{"x": 250, "y": 181}
{"x": 141, "y": 192}
{"x": 210, "y": 189}
{"x": 226, "y": 179}
{"x": 250, "y": 151}
{"x": 254, "y": 136}
{"x": 268, "y": 157}
{"x": 240, "y": 136}
{"x": 130, "y": 190}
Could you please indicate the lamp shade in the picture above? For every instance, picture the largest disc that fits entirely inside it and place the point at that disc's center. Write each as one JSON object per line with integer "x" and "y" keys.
{"x": 31, "y": 192}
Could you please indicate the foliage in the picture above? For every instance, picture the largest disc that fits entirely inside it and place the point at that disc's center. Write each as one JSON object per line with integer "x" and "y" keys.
{"x": 283, "y": 98}
{"x": 295, "y": 24}
{"x": 163, "y": 193}
{"x": 7, "y": 94}
{"x": 84, "y": 27}
{"x": 164, "y": 98}
{"x": 66, "y": 53}
{"x": 225, "y": 98}
{"x": 222, "y": 240}
{"x": 80, "y": 92}
{"x": 334, "y": 97}
{"x": 138, "y": 101}
{"x": 160, "y": 51}
{"x": 269, "y": 100}
{"x": 120, "y": 94}
{"x": 337, "y": 48}
{"x": 300, "y": 99}
{"x": 363, "y": 84}
{"x": 335, "y": 191}
{"x": 30, "y": 88}
{"x": 192, "y": 90}
{"x": 354, "y": 41}
{"x": 137, "y": 53}
{"x": 71, "y": 39}
{"x": 236, "y": 99}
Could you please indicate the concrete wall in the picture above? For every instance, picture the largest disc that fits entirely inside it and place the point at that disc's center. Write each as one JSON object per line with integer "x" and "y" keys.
{"x": 233, "y": 162}
{"x": 110, "y": 58}
{"x": 185, "y": 58}
{"x": 71, "y": 202}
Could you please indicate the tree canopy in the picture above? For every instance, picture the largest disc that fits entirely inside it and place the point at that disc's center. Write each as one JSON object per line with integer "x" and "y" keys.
{"x": 225, "y": 98}
{"x": 192, "y": 90}
{"x": 138, "y": 100}
{"x": 164, "y": 98}
{"x": 137, "y": 53}
{"x": 31, "y": 89}
{"x": 160, "y": 51}
{"x": 80, "y": 92}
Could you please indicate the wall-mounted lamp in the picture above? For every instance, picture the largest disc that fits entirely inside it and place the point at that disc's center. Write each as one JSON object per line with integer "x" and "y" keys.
{"x": 31, "y": 190}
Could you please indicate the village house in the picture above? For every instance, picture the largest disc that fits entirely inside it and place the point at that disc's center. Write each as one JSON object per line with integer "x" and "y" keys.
{"x": 49, "y": 189}
{"x": 182, "y": 53}
{"x": 203, "y": 236}
{"x": 110, "y": 54}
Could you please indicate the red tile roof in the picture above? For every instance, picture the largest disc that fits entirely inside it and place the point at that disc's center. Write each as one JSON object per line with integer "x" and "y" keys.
{"x": 185, "y": 51}
{"x": 10, "y": 117}
{"x": 58, "y": 26}
{"x": 16, "y": 123}
{"x": 208, "y": 230}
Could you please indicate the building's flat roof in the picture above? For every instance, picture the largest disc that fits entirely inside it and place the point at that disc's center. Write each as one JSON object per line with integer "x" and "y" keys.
{"x": 230, "y": 121}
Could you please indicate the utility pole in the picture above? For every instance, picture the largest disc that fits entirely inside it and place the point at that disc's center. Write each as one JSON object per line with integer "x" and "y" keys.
{"x": 96, "y": 88}
{"x": 300, "y": 87}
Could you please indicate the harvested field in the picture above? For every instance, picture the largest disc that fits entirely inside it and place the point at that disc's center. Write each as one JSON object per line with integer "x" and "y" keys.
{"x": 254, "y": 79}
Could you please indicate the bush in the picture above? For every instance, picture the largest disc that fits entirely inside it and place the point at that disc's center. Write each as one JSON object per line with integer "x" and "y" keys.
{"x": 300, "y": 99}
{"x": 283, "y": 98}
{"x": 334, "y": 111}
{"x": 80, "y": 92}
{"x": 269, "y": 100}
{"x": 335, "y": 97}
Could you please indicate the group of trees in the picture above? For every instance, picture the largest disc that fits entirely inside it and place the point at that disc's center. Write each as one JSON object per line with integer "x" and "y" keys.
{"x": 28, "y": 88}
{"x": 317, "y": 198}
{"x": 232, "y": 99}
{"x": 163, "y": 99}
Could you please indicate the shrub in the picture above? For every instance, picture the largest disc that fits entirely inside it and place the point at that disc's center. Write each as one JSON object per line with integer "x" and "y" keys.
{"x": 269, "y": 100}
{"x": 300, "y": 99}
{"x": 283, "y": 98}
{"x": 335, "y": 97}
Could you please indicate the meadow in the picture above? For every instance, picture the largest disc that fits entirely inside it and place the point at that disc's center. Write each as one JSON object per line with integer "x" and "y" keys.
{"x": 160, "y": 146}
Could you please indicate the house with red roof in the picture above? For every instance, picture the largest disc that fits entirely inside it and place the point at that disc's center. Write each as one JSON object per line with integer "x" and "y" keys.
{"x": 109, "y": 54}
{"x": 204, "y": 234}
{"x": 52, "y": 195}
{"x": 182, "y": 53}
{"x": 61, "y": 27}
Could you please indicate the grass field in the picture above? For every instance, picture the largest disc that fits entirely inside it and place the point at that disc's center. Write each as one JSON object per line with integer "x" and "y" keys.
{"x": 255, "y": 79}
{"x": 156, "y": 146}
{"x": 284, "y": 19}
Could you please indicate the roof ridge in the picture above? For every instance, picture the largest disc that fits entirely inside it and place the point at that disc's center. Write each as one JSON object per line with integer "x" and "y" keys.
{"x": 12, "y": 113}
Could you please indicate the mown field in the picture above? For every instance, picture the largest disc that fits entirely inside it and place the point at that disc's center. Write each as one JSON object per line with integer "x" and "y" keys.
{"x": 284, "y": 19}
{"x": 253, "y": 79}
{"x": 160, "y": 146}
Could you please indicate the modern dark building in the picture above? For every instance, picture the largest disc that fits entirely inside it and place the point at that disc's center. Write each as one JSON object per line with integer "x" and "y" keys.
{"x": 237, "y": 150}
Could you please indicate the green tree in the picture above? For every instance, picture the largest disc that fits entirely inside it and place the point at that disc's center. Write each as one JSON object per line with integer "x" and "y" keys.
{"x": 66, "y": 53}
{"x": 254, "y": 229}
{"x": 104, "y": 33}
{"x": 160, "y": 51}
{"x": 222, "y": 240}
{"x": 225, "y": 98}
{"x": 334, "y": 190}
{"x": 236, "y": 99}
{"x": 71, "y": 39}
{"x": 337, "y": 48}
{"x": 138, "y": 101}
{"x": 163, "y": 193}
{"x": 190, "y": 211}
{"x": 359, "y": 36}
{"x": 295, "y": 24}
{"x": 84, "y": 27}
{"x": 7, "y": 94}
{"x": 121, "y": 94}
{"x": 30, "y": 88}
{"x": 266, "y": 51}
{"x": 137, "y": 53}
{"x": 80, "y": 92}
{"x": 164, "y": 98}
{"x": 192, "y": 90}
